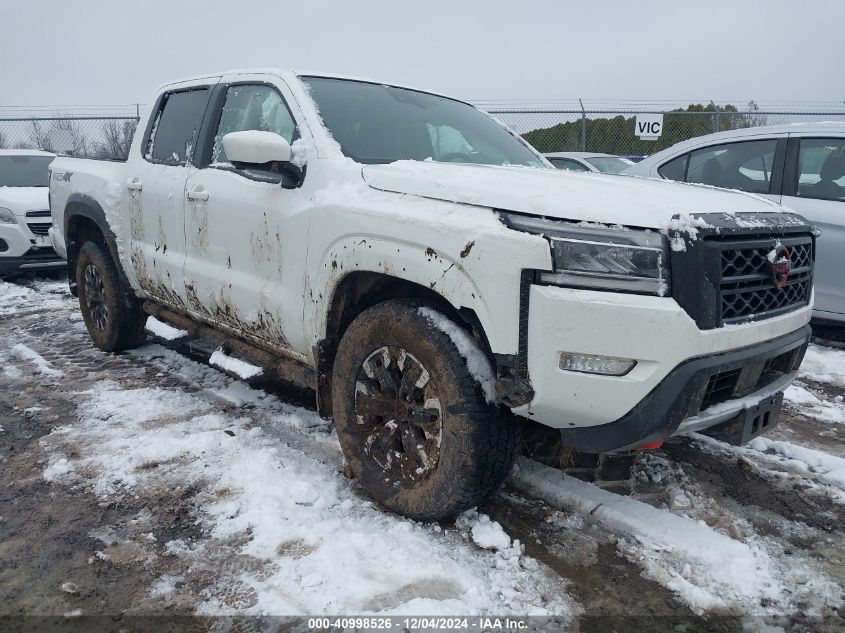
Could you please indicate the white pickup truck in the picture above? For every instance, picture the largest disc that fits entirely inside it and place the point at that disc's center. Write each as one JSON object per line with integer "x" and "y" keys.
{"x": 429, "y": 275}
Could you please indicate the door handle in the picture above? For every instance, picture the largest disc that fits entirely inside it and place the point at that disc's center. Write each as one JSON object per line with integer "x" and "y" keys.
{"x": 134, "y": 185}
{"x": 197, "y": 194}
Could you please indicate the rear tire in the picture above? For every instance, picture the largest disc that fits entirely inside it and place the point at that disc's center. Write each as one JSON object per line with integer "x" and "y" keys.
{"x": 412, "y": 420}
{"x": 112, "y": 315}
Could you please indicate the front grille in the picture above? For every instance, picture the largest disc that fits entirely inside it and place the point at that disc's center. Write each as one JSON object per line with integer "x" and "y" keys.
{"x": 722, "y": 275}
{"x": 39, "y": 229}
{"x": 747, "y": 288}
{"x": 45, "y": 213}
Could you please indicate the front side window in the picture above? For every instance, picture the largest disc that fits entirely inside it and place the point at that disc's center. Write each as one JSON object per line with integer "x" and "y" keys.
{"x": 568, "y": 164}
{"x": 174, "y": 131}
{"x": 374, "y": 123}
{"x": 252, "y": 107}
{"x": 24, "y": 171}
{"x": 821, "y": 168}
{"x": 743, "y": 165}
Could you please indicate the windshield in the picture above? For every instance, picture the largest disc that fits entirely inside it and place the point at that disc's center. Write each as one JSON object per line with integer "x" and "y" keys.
{"x": 374, "y": 123}
{"x": 24, "y": 171}
{"x": 609, "y": 164}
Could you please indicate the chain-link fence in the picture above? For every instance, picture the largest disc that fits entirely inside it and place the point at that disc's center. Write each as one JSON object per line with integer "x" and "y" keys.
{"x": 549, "y": 130}
{"x": 87, "y": 136}
{"x": 612, "y": 131}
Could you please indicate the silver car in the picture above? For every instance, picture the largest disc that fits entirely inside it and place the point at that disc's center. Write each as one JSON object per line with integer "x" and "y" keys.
{"x": 589, "y": 161}
{"x": 801, "y": 166}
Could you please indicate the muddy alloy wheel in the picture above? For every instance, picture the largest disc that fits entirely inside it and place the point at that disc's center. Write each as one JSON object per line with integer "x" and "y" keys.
{"x": 112, "y": 315}
{"x": 95, "y": 294}
{"x": 396, "y": 404}
{"x": 415, "y": 426}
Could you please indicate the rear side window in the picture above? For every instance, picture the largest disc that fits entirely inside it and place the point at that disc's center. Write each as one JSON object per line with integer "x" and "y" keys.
{"x": 744, "y": 165}
{"x": 675, "y": 169}
{"x": 174, "y": 130}
{"x": 821, "y": 168}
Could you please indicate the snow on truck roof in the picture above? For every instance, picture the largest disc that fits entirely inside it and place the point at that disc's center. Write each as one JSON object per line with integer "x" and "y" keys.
{"x": 284, "y": 73}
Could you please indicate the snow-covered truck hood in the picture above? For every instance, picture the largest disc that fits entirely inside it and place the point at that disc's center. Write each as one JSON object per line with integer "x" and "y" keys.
{"x": 22, "y": 199}
{"x": 629, "y": 201}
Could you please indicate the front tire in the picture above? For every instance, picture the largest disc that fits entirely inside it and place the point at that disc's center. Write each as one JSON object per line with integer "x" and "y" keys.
{"x": 412, "y": 420}
{"x": 114, "y": 320}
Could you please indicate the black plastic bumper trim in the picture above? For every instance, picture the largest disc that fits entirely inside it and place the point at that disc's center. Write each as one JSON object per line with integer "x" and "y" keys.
{"x": 661, "y": 412}
{"x": 39, "y": 261}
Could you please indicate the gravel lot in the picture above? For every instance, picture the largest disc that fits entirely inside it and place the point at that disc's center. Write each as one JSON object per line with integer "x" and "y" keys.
{"x": 150, "y": 483}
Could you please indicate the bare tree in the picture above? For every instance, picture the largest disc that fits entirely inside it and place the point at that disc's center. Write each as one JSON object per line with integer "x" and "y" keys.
{"x": 38, "y": 137}
{"x": 70, "y": 130}
{"x": 117, "y": 138}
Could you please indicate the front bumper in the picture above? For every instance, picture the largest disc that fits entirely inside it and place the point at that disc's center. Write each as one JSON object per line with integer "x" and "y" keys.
{"x": 654, "y": 331}
{"x": 700, "y": 394}
{"x": 20, "y": 249}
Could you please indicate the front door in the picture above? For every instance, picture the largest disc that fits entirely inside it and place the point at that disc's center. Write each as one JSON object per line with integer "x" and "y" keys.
{"x": 246, "y": 234}
{"x": 816, "y": 190}
{"x": 156, "y": 200}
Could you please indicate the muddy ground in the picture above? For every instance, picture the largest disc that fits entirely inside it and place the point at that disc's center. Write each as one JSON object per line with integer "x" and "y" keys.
{"x": 65, "y": 550}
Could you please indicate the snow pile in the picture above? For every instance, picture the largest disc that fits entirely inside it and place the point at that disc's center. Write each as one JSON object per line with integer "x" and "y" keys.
{"x": 235, "y": 366}
{"x": 485, "y": 532}
{"x": 709, "y": 570}
{"x": 291, "y": 535}
{"x": 827, "y": 468}
{"x": 824, "y": 364}
{"x": 477, "y": 363}
{"x": 163, "y": 330}
{"x": 782, "y": 460}
{"x": 57, "y": 469}
{"x": 44, "y": 367}
{"x": 808, "y": 404}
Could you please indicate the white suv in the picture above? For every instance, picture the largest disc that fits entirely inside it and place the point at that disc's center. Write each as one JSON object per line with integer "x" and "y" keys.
{"x": 428, "y": 275}
{"x": 25, "y": 211}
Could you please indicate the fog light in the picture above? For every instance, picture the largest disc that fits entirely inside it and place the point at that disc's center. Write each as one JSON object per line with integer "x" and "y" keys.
{"x": 588, "y": 364}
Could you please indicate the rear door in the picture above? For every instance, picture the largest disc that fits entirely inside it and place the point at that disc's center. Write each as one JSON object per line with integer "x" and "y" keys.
{"x": 156, "y": 188}
{"x": 246, "y": 228}
{"x": 815, "y": 187}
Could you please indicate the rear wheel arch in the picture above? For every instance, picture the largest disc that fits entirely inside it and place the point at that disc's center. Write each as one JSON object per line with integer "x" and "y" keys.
{"x": 360, "y": 290}
{"x": 85, "y": 221}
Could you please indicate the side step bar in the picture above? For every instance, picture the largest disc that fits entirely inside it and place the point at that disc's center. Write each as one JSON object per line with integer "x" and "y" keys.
{"x": 274, "y": 365}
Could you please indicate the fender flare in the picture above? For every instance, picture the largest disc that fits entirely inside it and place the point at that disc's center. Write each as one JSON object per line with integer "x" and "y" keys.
{"x": 85, "y": 206}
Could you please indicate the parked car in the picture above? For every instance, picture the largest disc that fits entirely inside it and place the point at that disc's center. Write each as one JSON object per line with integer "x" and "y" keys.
{"x": 25, "y": 211}
{"x": 634, "y": 158}
{"x": 801, "y": 166}
{"x": 588, "y": 161}
{"x": 428, "y": 275}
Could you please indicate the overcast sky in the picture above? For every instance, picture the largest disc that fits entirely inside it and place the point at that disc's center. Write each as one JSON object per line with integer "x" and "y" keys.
{"x": 112, "y": 52}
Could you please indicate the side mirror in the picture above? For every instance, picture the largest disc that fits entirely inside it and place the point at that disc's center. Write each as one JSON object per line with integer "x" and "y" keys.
{"x": 254, "y": 147}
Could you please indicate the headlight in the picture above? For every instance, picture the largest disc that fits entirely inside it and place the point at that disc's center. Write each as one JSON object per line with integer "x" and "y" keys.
{"x": 7, "y": 217}
{"x": 626, "y": 260}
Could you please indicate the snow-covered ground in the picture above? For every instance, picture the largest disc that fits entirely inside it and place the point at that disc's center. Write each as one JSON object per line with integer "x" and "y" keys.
{"x": 272, "y": 526}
